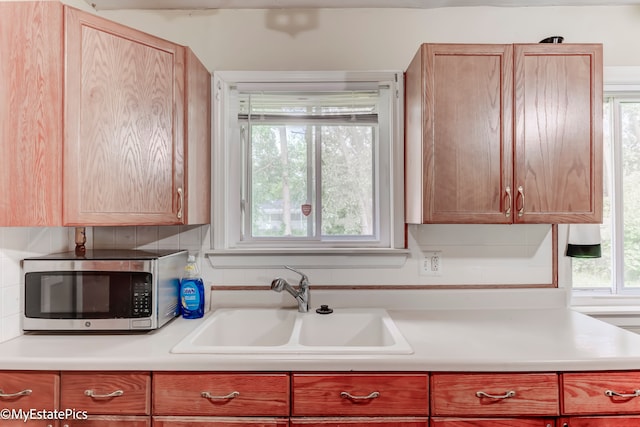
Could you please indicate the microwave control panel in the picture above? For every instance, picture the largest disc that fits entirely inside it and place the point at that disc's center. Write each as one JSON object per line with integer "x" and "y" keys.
{"x": 141, "y": 299}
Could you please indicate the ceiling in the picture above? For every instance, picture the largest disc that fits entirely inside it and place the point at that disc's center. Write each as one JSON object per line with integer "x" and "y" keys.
{"x": 279, "y": 4}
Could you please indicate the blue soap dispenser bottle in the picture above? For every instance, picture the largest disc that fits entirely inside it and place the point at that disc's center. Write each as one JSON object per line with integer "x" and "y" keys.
{"x": 191, "y": 291}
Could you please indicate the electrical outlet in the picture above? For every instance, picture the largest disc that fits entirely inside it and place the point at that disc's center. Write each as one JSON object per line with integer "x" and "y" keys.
{"x": 431, "y": 264}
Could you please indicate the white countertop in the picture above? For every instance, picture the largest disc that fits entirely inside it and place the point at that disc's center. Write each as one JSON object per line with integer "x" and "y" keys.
{"x": 539, "y": 339}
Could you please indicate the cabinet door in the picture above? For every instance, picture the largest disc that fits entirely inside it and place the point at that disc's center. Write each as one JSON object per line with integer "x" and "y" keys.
{"x": 124, "y": 118}
{"x": 31, "y": 72}
{"x": 611, "y": 421}
{"x": 492, "y": 422}
{"x": 558, "y": 133}
{"x": 459, "y": 134}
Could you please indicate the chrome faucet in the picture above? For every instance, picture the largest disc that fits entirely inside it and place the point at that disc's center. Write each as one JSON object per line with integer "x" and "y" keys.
{"x": 301, "y": 295}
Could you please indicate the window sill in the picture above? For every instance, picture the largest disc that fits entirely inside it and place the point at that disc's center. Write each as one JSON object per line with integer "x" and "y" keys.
{"x": 622, "y": 311}
{"x": 308, "y": 258}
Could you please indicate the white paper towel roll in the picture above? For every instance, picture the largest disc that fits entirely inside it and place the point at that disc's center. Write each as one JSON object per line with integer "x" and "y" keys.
{"x": 584, "y": 241}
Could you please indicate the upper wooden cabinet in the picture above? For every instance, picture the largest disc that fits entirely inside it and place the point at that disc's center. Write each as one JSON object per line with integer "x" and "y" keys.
{"x": 504, "y": 134}
{"x": 136, "y": 112}
{"x": 31, "y": 72}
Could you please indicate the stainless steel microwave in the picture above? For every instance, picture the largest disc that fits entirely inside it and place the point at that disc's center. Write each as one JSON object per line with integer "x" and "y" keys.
{"x": 102, "y": 290}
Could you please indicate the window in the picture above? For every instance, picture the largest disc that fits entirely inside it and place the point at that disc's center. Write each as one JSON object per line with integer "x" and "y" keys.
{"x": 307, "y": 160}
{"x": 618, "y": 270}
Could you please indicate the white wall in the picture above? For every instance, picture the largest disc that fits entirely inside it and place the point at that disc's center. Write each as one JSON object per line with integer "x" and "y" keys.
{"x": 15, "y": 245}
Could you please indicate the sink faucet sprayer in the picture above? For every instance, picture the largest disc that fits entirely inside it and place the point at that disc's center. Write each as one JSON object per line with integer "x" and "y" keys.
{"x": 301, "y": 295}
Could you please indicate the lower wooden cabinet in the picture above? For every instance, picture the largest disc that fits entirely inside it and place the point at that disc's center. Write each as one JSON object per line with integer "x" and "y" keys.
{"x": 219, "y": 422}
{"x": 495, "y": 395}
{"x": 107, "y": 393}
{"x": 605, "y": 421}
{"x": 109, "y": 421}
{"x": 333, "y": 399}
{"x": 29, "y": 390}
{"x": 361, "y": 422}
{"x": 359, "y": 394}
{"x": 493, "y": 422}
{"x": 221, "y": 394}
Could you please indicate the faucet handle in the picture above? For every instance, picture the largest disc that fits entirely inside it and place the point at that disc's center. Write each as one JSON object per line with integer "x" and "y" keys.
{"x": 304, "y": 276}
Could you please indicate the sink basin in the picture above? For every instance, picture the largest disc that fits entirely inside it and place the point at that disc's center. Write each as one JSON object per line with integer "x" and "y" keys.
{"x": 285, "y": 331}
{"x": 350, "y": 328}
{"x": 240, "y": 330}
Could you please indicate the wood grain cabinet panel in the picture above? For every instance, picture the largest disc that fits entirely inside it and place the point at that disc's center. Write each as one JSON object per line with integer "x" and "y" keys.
{"x": 558, "y": 133}
{"x": 504, "y": 134}
{"x": 100, "y": 124}
{"x": 608, "y": 421}
{"x": 109, "y": 393}
{"x": 361, "y": 422}
{"x": 493, "y": 422}
{"x": 109, "y": 421}
{"x": 365, "y": 394}
{"x": 460, "y": 395}
{"x": 458, "y": 133}
{"x": 220, "y": 394}
{"x": 29, "y": 390}
{"x": 124, "y": 124}
{"x": 31, "y": 72}
{"x": 219, "y": 422}
{"x": 601, "y": 393}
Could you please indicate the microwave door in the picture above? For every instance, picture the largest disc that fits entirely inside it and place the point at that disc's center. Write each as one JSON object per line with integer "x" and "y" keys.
{"x": 57, "y": 296}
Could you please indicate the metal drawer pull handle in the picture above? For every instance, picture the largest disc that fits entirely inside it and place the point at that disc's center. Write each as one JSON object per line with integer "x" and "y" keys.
{"x": 521, "y": 192}
{"x": 507, "y": 395}
{"x": 231, "y": 395}
{"x": 93, "y": 394}
{"x": 610, "y": 393}
{"x": 25, "y": 392}
{"x": 507, "y": 212}
{"x": 372, "y": 395}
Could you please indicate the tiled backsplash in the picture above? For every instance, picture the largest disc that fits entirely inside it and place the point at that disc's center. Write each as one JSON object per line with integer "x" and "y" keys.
{"x": 16, "y": 244}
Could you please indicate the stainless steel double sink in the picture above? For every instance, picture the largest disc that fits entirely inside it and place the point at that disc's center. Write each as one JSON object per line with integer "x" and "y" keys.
{"x": 286, "y": 331}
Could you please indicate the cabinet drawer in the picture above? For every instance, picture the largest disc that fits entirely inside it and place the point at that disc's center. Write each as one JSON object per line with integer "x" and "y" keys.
{"x": 593, "y": 393}
{"x": 107, "y": 393}
{"x": 608, "y": 421}
{"x": 495, "y": 394}
{"x": 361, "y": 422}
{"x": 219, "y": 422}
{"x": 192, "y": 393}
{"x": 29, "y": 390}
{"x": 360, "y": 394}
{"x": 109, "y": 421}
{"x": 492, "y": 422}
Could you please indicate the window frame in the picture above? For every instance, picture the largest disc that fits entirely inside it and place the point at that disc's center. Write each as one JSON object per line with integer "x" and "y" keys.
{"x": 227, "y": 179}
{"x": 620, "y": 83}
